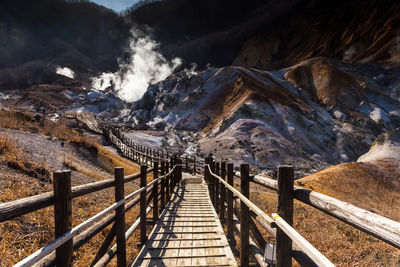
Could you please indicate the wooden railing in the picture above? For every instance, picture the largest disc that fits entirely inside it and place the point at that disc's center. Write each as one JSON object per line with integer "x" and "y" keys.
{"x": 376, "y": 225}
{"x": 222, "y": 194}
{"x": 234, "y": 206}
{"x": 68, "y": 239}
{"x": 135, "y": 152}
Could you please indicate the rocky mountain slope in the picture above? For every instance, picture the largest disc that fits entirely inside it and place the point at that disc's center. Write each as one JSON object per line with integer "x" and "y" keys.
{"x": 313, "y": 114}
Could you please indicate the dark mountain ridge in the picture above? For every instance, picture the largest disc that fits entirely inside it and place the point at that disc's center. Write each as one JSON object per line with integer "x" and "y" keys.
{"x": 80, "y": 34}
{"x": 37, "y": 35}
{"x": 273, "y": 34}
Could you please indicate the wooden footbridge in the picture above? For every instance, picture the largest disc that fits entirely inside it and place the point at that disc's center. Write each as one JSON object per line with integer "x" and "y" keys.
{"x": 188, "y": 232}
{"x": 195, "y": 215}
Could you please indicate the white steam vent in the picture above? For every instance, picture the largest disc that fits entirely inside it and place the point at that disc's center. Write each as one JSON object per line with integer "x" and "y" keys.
{"x": 65, "y": 72}
{"x": 146, "y": 66}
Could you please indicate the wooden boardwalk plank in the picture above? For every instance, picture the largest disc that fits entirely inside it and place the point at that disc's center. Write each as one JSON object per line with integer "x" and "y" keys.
{"x": 188, "y": 232}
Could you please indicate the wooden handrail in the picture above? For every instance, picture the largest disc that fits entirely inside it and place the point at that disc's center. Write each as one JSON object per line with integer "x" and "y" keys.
{"x": 43, "y": 252}
{"x": 376, "y": 225}
{"x": 86, "y": 235}
{"x": 303, "y": 244}
{"x": 15, "y": 208}
{"x": 19, "y": 207}
{"x": 39, "y": 254}
{"x": 245, "y": 200}
{"x": 112, "y": 252}
{"x": 298, "y": 255}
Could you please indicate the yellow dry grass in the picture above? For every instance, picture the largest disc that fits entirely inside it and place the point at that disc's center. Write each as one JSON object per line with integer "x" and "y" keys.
{"x": 339, "y": 242}
{"x": 22, "y": 236}
{"x": 361, "y": 184}
{"x": 18, "y": 120}
{"x": 110, "y": 159}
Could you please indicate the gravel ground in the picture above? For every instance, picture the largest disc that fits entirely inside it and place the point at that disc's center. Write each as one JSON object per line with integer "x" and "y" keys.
{"x": 52, "y": 152}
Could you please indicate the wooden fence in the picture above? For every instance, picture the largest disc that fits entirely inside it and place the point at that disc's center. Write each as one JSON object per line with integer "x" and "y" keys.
{"x": 150, "y": 196}
{"x": 135, "y": 152}
{"x": 234, "y": 207}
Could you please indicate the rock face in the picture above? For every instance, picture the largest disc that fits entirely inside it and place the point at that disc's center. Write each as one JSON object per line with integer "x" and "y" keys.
{"x": 384, "y": 156}
{"x": 314, "y": 114}
{"x": 68, "y": 96}
{"x": 377, "y": 170}
{"x": 385, "y": 147}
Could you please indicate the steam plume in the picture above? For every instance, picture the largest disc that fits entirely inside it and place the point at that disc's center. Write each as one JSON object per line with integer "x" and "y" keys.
{"x": 145, "y": 66}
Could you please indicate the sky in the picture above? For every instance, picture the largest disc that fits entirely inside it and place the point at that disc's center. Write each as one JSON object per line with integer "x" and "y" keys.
{"x": 117, "y": 5}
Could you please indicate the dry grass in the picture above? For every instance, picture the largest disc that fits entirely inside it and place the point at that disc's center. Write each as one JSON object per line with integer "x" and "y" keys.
{"x": 361, "y": 184}
{"x": 24, "y": 235}
{"x": 341, "y": 243}
{"x": 110, "y": 160}
{"x": 17, "y": 120}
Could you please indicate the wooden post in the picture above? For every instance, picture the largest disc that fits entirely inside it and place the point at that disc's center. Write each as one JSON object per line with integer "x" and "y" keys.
{"x": 222, "y": 192}
{"x": 167, "y": 181}
{"x": 120, "y": 217}
{"x": 162, "y": 186}
{"x": 171, "y": 179}
{"x": 244, "y": 216}
{"x": 213, "y": 182}
{"x": 230, "y": 205}
{"x": 186, "y": 163}
{"x": 141, "y": 155}
{"x": 143, "y": 182}
{"x": 63, "y": 215}
{"x": 206, "y": 162}
{"x": 217, "y": 188}
{"x": 207, "y": 176}
{"x": 179, "y": 175}
{"x": 285, "y": 210}
{"x": 155, "y": 192}
{"x": 194, "y": 165}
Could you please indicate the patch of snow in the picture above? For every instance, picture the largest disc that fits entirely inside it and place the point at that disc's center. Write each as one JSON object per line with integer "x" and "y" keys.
{"x": 4, "y": 97}
{"x": 67, "y": 72}
{"x": 378, "y": 114}
{"x": 54, "y": 117}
